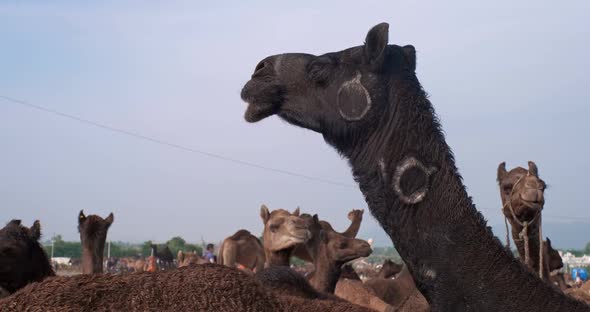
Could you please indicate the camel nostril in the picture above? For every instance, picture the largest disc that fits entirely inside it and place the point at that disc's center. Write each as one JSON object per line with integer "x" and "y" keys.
{"x": 259, "y": 68}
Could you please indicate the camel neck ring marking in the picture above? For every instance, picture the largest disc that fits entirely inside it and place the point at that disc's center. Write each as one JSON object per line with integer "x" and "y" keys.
{"x": 418, "y": 195}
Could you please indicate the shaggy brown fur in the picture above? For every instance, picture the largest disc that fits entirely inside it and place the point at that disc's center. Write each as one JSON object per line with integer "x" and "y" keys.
{"x": 367, "y": 102}
{"x": 93, "y": 234}
{"x": 207, "y": 287}
{"x": 22, "y": 259}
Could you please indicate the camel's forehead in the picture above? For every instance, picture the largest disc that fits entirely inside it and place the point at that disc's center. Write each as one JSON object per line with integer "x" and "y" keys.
{"x": 13, "y": 233}
{"x": 279, "y": 213}
{"x": 514, "y": 174}
{"x": 94, "y": 220}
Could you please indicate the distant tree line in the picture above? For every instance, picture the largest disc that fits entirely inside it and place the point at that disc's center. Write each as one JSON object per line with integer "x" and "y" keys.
{"x": 73, "y": 249}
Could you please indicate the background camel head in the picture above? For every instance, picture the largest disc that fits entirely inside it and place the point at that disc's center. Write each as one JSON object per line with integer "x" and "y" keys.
{"x": 327, "y": 245}
{"x": 22, "y": 259}
{"x": 523, "y": 188}
{"x": 553, "y": 258}
{"x": 389, "y": 269}
{"x": 356, "y": 214}
{"x": 189, "y": 258}
{"x": 340, "y": 94}
{"x": 283, "y": 230}
{"x": 93, "y": 229}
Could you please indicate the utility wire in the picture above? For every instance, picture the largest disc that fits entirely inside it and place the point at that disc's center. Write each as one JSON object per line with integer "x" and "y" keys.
{"x": 213, "y": 155}
{"x": 173, "y": 145}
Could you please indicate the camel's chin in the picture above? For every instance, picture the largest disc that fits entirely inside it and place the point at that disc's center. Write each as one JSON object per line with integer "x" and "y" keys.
{"x": 257, "y": 112}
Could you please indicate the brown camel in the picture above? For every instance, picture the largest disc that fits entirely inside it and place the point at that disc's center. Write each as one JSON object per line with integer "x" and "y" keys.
{"x": 93, "y": 234}
{"x": 355, "y": 216}
{"x": 282, "y": 232}
{"x": 522, "y": 193}
{"x": 389, "y": 269}
{"x": 330, "y": 251}
{"x": 189, "y": 258}
{"x": 367, "y": 102}
{"x": 400, "y": 292}
{"x": 22, "y": 259}
{"x": 242, "y": 248}
{"x": 553, "y": 264}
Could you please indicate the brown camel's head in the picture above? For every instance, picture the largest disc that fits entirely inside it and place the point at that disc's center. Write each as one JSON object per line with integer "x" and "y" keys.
{"x": 389, "y": 269}
{"x": 553, "y": 258}
{"x": 22, "y": 259}
{"x": 328, "y": 245}
{"x": 283, "y": 230}
{"x": 523, "y": 189}
{"x": 93, "y": 229}
{"x": 356, "y": 215}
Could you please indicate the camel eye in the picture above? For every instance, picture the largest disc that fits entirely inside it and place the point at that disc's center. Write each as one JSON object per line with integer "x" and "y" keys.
{"x": 507, "y": 189}
{"x": 273, "y": 227}
{"x": 343, "y": 245}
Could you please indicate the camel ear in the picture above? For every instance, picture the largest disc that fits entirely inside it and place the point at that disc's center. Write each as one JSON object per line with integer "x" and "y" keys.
{"x": 35, "y": 230}
{"x": 533, "y": 169}
{"x": 14, "y": 222}
{"x": 315, "y": 219}
{"x": 264, "y": 214}
{"x": 501, "y": 171}
{"x": 548, "y": 242}
{"x": 110, "y": 219}
{"x": 296, "y": 212}
{"x": 410, "y": 53}
{"x": 81, "y": 217}
{"x": 375, "y": 43}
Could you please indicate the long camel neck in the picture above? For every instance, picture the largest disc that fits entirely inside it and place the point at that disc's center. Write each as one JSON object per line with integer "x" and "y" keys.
{"x": 455, "y": 259}
{"x": 280, "y": 258}
{"x": 92, "y": 257}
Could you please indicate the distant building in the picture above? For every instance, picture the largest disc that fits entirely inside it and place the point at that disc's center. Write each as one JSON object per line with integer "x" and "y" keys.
{"x": 571, "y": 261}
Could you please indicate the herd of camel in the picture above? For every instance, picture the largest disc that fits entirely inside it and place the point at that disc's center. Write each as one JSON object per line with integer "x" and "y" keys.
{"x": 368, "y": 104}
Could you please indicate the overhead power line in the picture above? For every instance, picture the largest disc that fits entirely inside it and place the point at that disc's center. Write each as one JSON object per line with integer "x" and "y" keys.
{"x": 173, "y": 145}
{"x": 217, "y": 156}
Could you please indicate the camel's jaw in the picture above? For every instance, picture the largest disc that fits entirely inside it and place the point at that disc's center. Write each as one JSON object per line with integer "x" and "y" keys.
{"x": 264, "y": 99}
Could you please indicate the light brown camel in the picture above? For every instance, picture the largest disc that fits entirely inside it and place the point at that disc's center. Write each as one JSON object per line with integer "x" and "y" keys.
{"x": 93, "y": 234}
{"x": 368, "y": 104}
{"x": 22, "y": 259}
{"x": 522, "y": 193}
{"x": 242, "y": 248}
{"x": 355, "y": 216}
{"x": 282, "y": 232}
{"x": 189, "y": 258}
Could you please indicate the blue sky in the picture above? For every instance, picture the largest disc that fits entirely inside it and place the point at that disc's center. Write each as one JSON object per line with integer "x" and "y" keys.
{"x": 509, "y": 81}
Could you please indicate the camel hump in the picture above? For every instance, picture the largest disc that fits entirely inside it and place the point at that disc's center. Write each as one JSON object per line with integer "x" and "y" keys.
{"x": 240, "y": 234}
